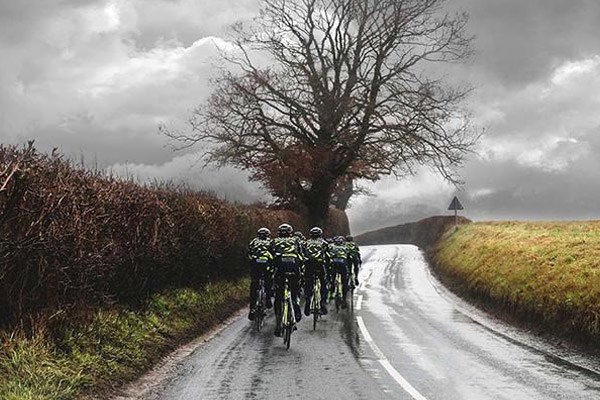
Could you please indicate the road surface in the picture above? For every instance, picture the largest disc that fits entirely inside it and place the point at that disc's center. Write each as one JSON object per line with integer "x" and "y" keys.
{"x": 407, "y": 338}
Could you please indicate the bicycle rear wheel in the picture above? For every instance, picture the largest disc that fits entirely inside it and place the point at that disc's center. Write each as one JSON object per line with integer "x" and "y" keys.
{"x": 260, "y": 310}
{"x": 288, "y": 337}
{"x": 316, "y": 302}
{"x": 289, "y": 326}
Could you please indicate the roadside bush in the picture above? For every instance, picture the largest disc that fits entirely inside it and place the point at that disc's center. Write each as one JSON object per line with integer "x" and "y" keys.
{"x": 75, "y": 239}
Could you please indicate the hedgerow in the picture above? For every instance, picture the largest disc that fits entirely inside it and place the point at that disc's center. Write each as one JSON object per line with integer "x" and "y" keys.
{"x": 75, "y": 239}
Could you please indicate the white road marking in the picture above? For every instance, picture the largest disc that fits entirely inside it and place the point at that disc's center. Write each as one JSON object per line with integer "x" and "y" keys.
{"x": 386, "y": 364}
{"x": 359, "y": 302}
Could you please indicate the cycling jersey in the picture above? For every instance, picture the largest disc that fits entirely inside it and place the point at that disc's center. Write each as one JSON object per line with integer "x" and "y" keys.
{"x": 338, "y": 254}
{"x": 316, "y": 249}
{"x": 258, "y": 250}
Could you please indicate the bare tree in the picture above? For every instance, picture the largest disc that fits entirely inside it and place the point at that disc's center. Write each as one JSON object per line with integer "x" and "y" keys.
{"x": 323, "y": 90}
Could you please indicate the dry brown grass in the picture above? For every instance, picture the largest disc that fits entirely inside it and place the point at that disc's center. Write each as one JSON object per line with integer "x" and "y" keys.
{"x": 548, "y": 271}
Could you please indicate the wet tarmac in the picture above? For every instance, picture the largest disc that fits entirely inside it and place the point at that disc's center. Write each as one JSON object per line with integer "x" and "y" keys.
{"x": 407, "y": 338}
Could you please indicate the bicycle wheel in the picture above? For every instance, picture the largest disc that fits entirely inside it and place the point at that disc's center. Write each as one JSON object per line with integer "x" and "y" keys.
{"x": 260, "y": 307}
{"x": 290, "y": 326}
{"x": 284, "y": 320}
{"x": 316, "y": 303}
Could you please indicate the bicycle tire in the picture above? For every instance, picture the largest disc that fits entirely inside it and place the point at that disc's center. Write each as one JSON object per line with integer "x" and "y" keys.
{"x": 290, "y": 324}
{"x": 257, "y": 319}
{"x": 288, "y": 337}
{"x": 260, "y": 310}
{"x": 316, "y": 302}
{"x": 284, "y": 321}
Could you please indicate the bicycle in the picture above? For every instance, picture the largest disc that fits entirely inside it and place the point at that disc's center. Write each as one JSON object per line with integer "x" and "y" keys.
{"x": 288, "y": 319}
{"x": 260, "y": 305}
{"x": 316, "y": 300}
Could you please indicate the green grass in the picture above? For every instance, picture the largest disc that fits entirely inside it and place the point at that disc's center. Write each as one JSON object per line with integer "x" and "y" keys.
{"x": 547, "y": 271}
{"x": 112, "y": 346}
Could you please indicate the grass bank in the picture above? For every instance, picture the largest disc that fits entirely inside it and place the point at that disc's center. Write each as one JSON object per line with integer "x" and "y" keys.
{"x": 69, "y": 360}
{"x": 546, "y": 272}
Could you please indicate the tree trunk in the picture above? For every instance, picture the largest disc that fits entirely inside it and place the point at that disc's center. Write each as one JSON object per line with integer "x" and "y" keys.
{"x": 316, "y": 200}
{"x": 343, "y": 194}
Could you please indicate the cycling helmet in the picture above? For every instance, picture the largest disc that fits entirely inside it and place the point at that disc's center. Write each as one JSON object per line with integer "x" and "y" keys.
{"x": 316, "y": 232}
{"x": 339, "y": 240}
{"x": 349, "y": 238}
{"x": 263, "y": 232}
{"x": 285, "y": 229}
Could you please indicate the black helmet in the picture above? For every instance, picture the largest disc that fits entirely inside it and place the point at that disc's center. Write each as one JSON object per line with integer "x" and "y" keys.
{"x": 339, "y": 240}
{"x": 299, "y": 235}
{"x": 349, "y": 238}
{"x": 316, "y": 232}
{"x": 285, "y": 229}
{"x": 263, "y": 232}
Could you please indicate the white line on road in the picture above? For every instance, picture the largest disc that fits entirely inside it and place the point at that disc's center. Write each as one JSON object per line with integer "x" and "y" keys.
{"x": 386, "y": 364}
{"x": 359, "y": 302}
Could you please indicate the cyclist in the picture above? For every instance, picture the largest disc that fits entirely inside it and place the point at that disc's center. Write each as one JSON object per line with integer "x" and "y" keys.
{"x": 339, "y": 261}
{"x": 261, "y": 261}
{"x": 354, "y": 253}
{"x": 287, "y": 259}
{"x": 315, "y": 253}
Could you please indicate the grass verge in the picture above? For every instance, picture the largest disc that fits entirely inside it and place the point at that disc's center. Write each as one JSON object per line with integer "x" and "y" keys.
{"x": 112, "y": 346}
{"x": 545, "y": 272}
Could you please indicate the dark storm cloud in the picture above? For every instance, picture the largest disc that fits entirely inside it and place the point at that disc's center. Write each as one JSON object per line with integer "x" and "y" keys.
{"x": 520, "y": 41}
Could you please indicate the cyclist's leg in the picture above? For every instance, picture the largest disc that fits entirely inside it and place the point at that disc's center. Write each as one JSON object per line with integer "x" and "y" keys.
{"x": 330, "y": 269}
{"x": 323, "y": 278}
{"x": 269, "y": 284}
{"x": 308, "y": 288}
{"x": 279, "y": 282}
{"x": 294, "y": 282}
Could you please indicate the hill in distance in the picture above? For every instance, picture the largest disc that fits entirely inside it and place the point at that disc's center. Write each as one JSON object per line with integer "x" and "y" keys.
{"x": 423, "y": 233}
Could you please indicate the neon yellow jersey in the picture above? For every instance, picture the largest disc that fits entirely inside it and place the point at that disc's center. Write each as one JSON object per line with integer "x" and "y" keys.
{"x": 258, "y": 250}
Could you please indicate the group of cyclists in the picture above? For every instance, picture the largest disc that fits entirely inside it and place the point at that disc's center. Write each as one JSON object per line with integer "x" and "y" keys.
{"x": 292, "y": 257}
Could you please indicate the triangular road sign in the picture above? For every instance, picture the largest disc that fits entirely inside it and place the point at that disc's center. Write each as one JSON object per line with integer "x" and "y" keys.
{"x": 455, "y": 205}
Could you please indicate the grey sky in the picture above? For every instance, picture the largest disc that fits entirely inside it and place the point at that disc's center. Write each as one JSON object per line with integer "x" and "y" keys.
{"x": 96, "y": 77}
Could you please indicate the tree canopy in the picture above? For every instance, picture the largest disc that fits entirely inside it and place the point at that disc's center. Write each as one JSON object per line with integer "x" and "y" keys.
{"x": 317, "y": 93}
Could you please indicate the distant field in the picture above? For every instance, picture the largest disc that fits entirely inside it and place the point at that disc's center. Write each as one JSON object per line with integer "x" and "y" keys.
{"x": 548, "y": 271}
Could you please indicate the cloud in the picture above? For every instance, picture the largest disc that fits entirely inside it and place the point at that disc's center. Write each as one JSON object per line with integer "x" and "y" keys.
{"x": 88, "y": 102}
{"x": 227, "y": 182}
{"x": 519, "y": 42}
{"x": 96, "y": 77}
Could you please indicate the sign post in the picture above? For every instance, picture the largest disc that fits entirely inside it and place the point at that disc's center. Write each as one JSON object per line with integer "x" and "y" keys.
{"x": 455, "y": 205}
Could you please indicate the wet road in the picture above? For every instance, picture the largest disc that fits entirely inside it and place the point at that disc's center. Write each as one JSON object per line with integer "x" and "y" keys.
{"x": 406, "y": 339}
